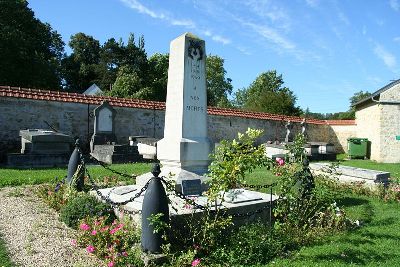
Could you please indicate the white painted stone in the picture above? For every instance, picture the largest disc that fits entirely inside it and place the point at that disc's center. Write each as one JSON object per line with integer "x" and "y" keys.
{"x": 105, "y": 120}
{"x": 185, "y": 143}
{"x": 184, "y": 149}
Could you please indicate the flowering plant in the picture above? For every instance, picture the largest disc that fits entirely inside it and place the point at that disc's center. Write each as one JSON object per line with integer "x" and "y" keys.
{"x": 111, "y": 242}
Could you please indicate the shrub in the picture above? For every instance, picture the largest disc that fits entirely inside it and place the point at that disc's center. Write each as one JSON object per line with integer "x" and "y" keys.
{"x": 116, "y": 242}
{"x": 82, "y": 206}
{"x": 53, "y": 195}
{"x": 250, "y": 245}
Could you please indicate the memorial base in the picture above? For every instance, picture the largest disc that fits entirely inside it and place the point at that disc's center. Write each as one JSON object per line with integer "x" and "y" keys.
{"x": 241, "y": 201}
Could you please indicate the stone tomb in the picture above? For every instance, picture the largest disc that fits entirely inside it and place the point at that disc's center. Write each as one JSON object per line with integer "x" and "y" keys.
{"x": 103, "y": 144}
{"x": 41, "y": 148}
{"x": 183, "y": 152}
{"x": 238, "y": 201}
{"x": 351, "y": 174}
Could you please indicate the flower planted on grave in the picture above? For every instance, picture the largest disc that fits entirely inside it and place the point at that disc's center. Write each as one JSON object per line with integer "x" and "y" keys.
{"x": 115, "y": 242}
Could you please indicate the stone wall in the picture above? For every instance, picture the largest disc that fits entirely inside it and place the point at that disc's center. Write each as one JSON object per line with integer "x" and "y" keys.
{"x": 390, "y": 125}
{"x": 76, "y": 119}
{"x": 368, "y": 126}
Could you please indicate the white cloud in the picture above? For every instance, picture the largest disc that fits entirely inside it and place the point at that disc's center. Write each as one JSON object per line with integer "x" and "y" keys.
{"x": 395, "y": 4}
{"x": 312, "y": 3}
{"x": 267, "y": 9}
{"x": 397, "y": 39}
{"x": 364, "y": 30}
{"x": 271, "y": 35}
{"x": 343, "y": 18}
{"x": 388, "y": 58}
{"x": 186, "y": 23}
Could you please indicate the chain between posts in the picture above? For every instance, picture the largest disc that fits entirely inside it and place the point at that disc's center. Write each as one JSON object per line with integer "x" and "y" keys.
{"x": 107, "y": 197}
{"x": 170, "y": 187}
{"x": 104, "y": 165}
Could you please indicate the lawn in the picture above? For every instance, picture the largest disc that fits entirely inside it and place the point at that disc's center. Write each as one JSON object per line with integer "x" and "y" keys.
{"x": 4, "y": 259}
{"x": 375, "y": 243}
{"x": 16, "y": 177}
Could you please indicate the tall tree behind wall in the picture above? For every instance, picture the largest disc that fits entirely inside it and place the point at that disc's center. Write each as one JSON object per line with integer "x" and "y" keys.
{"x": 30, "y": 50}
{"x": 267, "y": 94}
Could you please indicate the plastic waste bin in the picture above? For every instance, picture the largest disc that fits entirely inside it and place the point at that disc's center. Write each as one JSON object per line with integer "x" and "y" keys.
{"x": 357, "y": 147}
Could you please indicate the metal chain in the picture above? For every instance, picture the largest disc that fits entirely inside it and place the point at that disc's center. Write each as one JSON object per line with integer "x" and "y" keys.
{"x": 190, "y": 201}
{"x": 107, "y": 197}
{"x": 169, "y": 187}
{"x": 105, "y": 166}
{"x": 252, "y": 186}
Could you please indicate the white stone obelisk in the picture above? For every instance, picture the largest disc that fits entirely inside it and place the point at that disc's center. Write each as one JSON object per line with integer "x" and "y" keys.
{"x": 183, "y": 152}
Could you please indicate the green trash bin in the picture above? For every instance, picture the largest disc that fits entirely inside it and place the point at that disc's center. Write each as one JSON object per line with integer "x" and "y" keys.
{"x": 357, "y": 147}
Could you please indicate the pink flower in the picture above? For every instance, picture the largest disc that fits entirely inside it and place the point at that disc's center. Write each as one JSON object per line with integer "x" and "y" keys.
{"x": 112, "y": 231}
{"x": 110, "y": 264}
{"x": 280, "y": 161}
{"x": 124, "y": 254}
{"x": 196, "y": 262}
{"x": 90, "y": 249}
{"x": 96, "y": 223}
{"x": 74, "y": 243}
{"x": 84, "y": 227}
{"x": 94, "y": 232}
{"x": 104, "y": 229}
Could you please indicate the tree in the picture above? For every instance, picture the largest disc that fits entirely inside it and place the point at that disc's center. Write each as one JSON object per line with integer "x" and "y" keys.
{"x": 30, "y": 51}
{"x": 267, "y": 94}
{"x": 358, "y": 96}
{"x": 158, "y": 76}
{"x": 81, "y": 68}
{"x": 218, "y": 86}
{"x": 127, "y": 84}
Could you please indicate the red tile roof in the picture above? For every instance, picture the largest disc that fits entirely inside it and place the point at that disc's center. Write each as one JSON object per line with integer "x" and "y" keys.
{"x": 37, "y": 94}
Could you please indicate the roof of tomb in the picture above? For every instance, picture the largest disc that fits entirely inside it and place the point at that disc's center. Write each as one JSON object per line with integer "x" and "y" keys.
{"x": 47, "y": 95}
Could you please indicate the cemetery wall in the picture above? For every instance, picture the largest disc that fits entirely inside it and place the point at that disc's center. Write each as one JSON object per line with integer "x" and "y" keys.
{"x": 76, "y": 119}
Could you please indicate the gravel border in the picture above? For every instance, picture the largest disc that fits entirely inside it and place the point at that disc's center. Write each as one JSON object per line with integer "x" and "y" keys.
{"x": 33, "y": 234}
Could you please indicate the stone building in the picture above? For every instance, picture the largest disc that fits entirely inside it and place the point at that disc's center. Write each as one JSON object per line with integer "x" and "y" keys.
{"x": 378, "y": 119}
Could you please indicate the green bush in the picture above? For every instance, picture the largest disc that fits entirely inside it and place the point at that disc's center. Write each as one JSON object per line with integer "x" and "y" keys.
{"x": 250, "y": 245}
{"x": 82, "y": 206}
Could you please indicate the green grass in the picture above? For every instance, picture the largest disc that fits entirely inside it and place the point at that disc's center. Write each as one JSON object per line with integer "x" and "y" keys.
{"x": 375, "y": 243}
{"x": 4, "y": 259}
{"x": 16, "y": 177}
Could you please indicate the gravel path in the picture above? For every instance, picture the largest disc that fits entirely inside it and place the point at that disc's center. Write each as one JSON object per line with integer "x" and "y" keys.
{"x": 33, "y": 234}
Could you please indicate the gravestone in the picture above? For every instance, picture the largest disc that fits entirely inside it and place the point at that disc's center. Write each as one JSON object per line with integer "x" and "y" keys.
{"x": 41, "y": 148}
{"x": 104, "y": 116}
{"x": 103, "y": 144}
{"x": 183, "y": 152}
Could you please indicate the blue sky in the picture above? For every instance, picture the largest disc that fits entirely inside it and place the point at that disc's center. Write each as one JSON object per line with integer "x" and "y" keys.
{"x": 326, "y": 50}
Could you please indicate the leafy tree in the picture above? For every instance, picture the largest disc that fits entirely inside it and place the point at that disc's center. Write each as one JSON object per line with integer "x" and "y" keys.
{"x": 358, "y": 96}
{"x": 30, "y": 50}
{"x": 267, "y": 94}
{"x": 158, "y": 76}
{"x": 127, "y": 84}
{"x": 81, "y": 68}
{"x": 218, "y": 86}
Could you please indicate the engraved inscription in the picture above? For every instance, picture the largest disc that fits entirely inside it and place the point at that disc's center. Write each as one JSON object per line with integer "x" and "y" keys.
{"x": 194, "y": 98}
{"x": 194, "y": 108}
